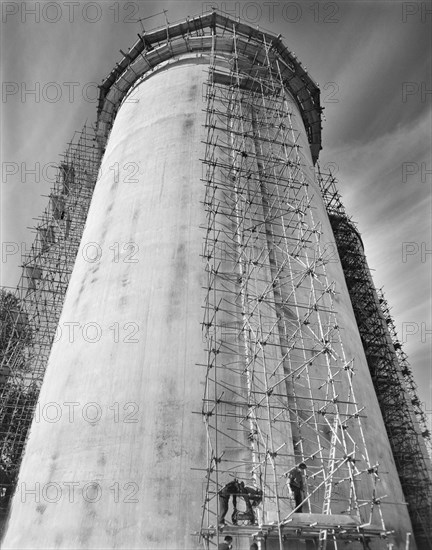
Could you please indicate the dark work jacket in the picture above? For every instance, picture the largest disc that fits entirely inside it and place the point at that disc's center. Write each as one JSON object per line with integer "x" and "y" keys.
{"x": 296, "y": 479}
{"x": 231, "y": 488}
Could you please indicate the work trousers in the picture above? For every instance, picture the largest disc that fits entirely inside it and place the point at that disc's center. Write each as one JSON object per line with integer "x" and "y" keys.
{"x": 298, "y": 496}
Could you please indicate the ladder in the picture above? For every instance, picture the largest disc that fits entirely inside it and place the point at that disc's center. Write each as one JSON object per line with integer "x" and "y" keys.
{"x": 322, "y": 539}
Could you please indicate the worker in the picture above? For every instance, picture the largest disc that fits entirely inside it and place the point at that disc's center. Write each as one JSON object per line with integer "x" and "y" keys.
{"x": 226, "y": 544}
{"x": 295, "y": 480}
{"x": 250, "y": 495}
{"x": 230, "y": 489}
{"x": 252, "y": 498}
{"x": 254, "y": 495}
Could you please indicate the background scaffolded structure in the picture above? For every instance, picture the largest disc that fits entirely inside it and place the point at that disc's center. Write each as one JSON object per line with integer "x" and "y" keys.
{"x": 30, "y": 313}
{"x": 404, "y": 418}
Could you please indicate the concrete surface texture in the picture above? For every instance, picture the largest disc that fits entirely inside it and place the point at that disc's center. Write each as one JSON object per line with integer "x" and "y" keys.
{"x": 115, "y": 454}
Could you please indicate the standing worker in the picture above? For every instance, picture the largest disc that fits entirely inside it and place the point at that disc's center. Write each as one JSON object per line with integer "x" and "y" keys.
{"x": 295, "y": 480}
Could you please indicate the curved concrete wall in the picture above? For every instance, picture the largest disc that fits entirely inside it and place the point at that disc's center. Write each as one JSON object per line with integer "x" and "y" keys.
{"x": 128, "y": 479}
{"x": 149, "y": 194}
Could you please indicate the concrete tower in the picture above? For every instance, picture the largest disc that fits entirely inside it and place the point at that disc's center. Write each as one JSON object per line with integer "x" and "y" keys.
{"x": 216, "y": 336}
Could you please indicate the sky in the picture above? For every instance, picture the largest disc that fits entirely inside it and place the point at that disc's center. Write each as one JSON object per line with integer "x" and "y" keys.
{"x": 372, "y": 61}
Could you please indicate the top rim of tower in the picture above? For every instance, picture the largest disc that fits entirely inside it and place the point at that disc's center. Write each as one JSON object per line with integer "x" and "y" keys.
{"x": 156, "y": 47}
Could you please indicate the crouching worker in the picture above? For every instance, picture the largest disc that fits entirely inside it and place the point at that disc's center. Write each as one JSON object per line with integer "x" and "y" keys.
{"x": 251, "y": 496}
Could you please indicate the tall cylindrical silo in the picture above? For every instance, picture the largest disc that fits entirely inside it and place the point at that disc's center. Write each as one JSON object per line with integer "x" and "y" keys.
{"x": 207, "y": 333}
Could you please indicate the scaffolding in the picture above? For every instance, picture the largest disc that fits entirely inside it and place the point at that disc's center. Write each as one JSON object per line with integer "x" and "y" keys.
{"x": 401, "y": 409}
{"x": 408, "y": 377}
{"x": 30, "y": 313}
{"x": 195, "y": 37}
{"x": 278, "y": 385}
